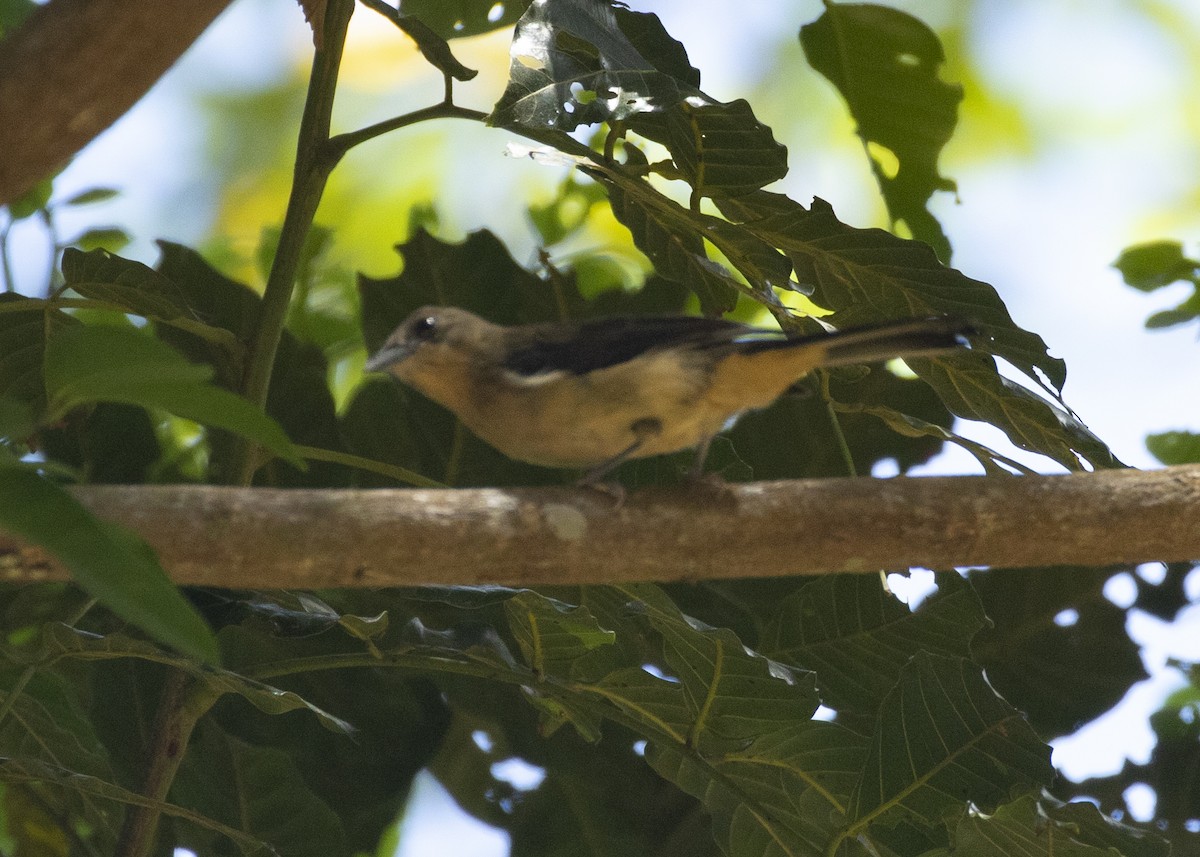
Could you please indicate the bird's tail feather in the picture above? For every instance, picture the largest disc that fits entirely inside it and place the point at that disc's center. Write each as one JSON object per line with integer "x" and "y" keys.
{"x": 872, "y": 343}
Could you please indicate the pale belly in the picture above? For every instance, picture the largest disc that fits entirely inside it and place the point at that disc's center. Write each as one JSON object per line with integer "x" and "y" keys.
{"x": 573, "y": 421}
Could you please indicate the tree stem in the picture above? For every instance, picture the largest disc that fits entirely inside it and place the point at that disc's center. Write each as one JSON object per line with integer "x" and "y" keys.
{"x": 308, "y": 184}
{"x": 183, "y": 703}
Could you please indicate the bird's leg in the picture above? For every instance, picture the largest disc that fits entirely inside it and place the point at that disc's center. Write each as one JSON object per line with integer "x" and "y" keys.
{"x": 696, "y": 472}
{"x": 643, "y": 430}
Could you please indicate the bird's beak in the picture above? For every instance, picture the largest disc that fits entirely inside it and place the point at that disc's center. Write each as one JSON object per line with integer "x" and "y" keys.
{"x": 387, "y": 356}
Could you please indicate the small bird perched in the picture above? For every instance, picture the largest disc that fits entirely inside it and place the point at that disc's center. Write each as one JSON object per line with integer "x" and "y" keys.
{"x": 594, "y": 394}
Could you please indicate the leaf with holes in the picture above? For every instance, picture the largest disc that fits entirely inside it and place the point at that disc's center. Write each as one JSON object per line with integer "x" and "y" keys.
{"x": 885, "y": 63}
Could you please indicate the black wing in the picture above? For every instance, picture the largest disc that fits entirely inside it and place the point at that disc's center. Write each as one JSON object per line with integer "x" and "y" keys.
{"x": 593, "y": 345}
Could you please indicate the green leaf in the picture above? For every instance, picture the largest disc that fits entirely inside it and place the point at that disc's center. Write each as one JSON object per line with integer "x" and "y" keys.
{"x": 885, "y": 64}
{"x": 660, "y": 230}
{"x": 584, "y": 61}
{"x": 259, "y": 791}
{"x": 1155, "y": 264}
{"x": 971, "y": 387}
{"x": 114, "y": 364}
{"x": 733, "y": 729}
{"x": 1175, "y": 447}
{"x": 944, "y": 737}
{"x": 1049, "y": 828}
{"x": 139, "y": 290}
{"x": 110, "y": 238}
{"x": 60, "y": 641}
{"x": 93, "y": 195}
{"x": 31, "y": 772}
{"x": 456, "y": 19}
{"x": 32, "y": 201}
{"x": 866, "y": 275}
{"x": 46, "y": 722}
{"x": 553, "y": 635}
{"x": 16, "y": 419}
{"x": 25, "y": 324}
{"x": 433, "y": 47}
{"x": 1060, "y": 673}
{"x": 111, "y": 563}
{"x": 722, "y": 149}
{"x": 858, "y": 638}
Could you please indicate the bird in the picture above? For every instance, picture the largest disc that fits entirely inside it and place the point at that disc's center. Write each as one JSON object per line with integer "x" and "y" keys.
{"x": 590, "y": 395}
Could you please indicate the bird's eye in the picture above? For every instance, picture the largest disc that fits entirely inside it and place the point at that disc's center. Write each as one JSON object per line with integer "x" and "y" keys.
{"x": 424, "y": 328}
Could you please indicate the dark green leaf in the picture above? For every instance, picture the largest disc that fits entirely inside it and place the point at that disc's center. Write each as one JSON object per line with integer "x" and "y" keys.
{"x": 28, "y": 772}
{"x": 115, "y": 364}
{"x": 454, "y": 19}
{"x": 865, "y": 275}
{"x": 582, "y": 62}
{"x": 885, "y": 64}
{"x": 46, "y": 722}
{"x": 553, "y": 635}
{"x": 24, "y": 325}
{"x": 59, "y": 642}
{"x": 1155, "y": 264}
{"x": 259, "y": 791}
{"x": 857, "y": 638}
{"x": 659, "y": 230}
{"x": 722, "y": 149}
{"x": 1058, "y": 649}
{"x": 1175, "y": 447}
{"x": 136, "y": 289}
{"x": 1049, "y": 829}
{"x": 110, "y": 563}
{"x": 16, "y": 419}
{"x": 944, "y": 738}
{"x": 971, "y": 387}
{"x": 433, "y": 47}
{"x": 111, "y": 443}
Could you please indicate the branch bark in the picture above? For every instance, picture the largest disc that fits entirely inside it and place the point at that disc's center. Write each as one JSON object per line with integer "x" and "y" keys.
{"x": 74, "y": 67}
{"x": 269, "y": 538}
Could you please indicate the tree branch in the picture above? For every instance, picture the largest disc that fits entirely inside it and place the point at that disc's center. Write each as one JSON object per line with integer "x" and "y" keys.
{"x": 272, "y": 538}
{"x": 74, "y": 67}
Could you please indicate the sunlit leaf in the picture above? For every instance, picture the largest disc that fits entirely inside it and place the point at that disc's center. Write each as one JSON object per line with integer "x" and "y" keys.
{"x": 1175, "y": 447}
{"x": 1155, "y": 264}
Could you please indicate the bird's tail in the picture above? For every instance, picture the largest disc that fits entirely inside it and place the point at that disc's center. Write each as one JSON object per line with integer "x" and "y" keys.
{"x": 922, "y": 337}
{"x": 918, "y": 337}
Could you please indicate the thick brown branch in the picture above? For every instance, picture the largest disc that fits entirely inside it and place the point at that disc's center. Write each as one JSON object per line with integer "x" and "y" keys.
{"x": 261, "y": 538}
{"x": 75, "y": 67}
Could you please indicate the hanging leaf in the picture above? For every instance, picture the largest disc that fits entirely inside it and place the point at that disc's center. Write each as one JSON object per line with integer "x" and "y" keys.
{"x": 885, "y": 64}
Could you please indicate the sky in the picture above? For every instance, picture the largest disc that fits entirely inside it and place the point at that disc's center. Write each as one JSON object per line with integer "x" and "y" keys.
{"x": 1102, "y": 152}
